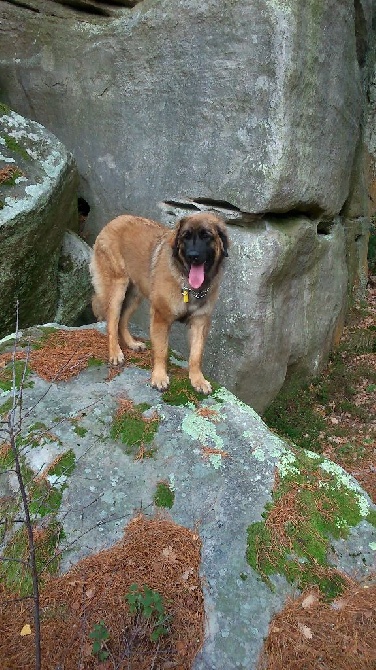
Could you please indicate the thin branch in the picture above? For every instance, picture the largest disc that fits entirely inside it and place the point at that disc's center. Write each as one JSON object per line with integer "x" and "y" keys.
{"x": 12, "y": 430}
{"x": 32, "y": 554}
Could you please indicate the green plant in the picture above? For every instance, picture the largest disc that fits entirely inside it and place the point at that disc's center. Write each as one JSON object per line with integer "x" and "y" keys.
{"x": 100, "y": 635}
{"x": 19, "y": 370}
{"x": 149, "y": 604}
{"x": 133, "y": 429}
{"x": 15, "y": 146}
{"x": 181, "y": 392}
{"x": 164, "y": 496}
{"x": 311, "y": 504}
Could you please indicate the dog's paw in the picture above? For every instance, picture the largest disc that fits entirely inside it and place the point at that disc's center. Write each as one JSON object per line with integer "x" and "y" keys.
{"x": 200, "y": 384}
{"x": 137, "y": 345}
{"x": 160, "y": 381}
{"x": 117, "y": 358}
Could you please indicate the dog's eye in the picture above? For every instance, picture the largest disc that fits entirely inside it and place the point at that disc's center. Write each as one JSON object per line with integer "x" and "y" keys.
{"x": 187, "y": 235}
{"x": 205, "y": 235}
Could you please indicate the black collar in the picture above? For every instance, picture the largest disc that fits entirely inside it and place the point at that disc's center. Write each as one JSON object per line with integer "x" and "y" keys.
{"x": 186, "y": 290}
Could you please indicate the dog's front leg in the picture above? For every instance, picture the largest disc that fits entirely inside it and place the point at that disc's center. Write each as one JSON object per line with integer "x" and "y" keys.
{"x": 198, "y": 332}
{"x": 159, "y": 332}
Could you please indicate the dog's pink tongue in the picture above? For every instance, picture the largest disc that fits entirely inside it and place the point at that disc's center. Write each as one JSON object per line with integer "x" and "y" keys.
{"x": 196, "y": 276}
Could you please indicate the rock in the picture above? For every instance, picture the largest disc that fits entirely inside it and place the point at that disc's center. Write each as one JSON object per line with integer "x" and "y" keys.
{"x": 282, "y": 298}
{"x": 216, "y": 455}
{"x": 237, "y": 107}
{"x": 74, "y": 282}
{"x": 39, "y": 202}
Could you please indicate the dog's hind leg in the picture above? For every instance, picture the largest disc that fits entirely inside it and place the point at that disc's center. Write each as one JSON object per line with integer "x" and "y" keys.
{"x": 116, "y": 299}
{"x": 131, "y": 302}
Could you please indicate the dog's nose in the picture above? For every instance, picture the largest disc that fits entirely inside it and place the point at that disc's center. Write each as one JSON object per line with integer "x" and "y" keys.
{"x": 192, "y": 255}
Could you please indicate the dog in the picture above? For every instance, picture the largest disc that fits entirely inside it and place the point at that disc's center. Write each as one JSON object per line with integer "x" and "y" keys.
{"x": 178, "y": 271}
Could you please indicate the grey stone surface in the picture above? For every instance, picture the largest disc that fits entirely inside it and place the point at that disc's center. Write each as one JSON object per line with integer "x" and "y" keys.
{"x": 36, "y": 211}
{"x": 257, "y": 104}
{"x": 74, "y": 282}
{"x": 283, "y": 294}
{"x": 218, "y": 495}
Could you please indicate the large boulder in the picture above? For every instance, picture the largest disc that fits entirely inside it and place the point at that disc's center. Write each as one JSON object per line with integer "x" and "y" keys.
{"x": 282, "y": 298}
{"x": 38, "y": 197}
{"x": 257, "y": 104}
{"x": 216, "y": 457}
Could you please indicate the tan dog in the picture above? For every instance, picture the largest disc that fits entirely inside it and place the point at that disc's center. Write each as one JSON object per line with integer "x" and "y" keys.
{"x": 177, "y": 270}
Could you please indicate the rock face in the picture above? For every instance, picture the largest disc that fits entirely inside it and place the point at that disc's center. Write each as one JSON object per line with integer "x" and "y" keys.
{"x": 279, "y": 305}
{"x": 39, "y": 202}
{"x": 74, "y": 282}
{"x": 257, "y": 104}
{"x": 217, "y": 457}
{"x": 253, "y": 107}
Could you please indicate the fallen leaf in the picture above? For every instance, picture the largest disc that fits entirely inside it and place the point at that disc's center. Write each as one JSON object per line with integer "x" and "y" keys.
{"x": 339, "y": 604}
{"x": 186, "y": 574}
{"x": 87, "y": 649}
{"x": 181, "y": 648}
{"x": 305, "y": 631}
{"x": 76, "y": 605}
{"x": 168, "y": 552}
{"x": 308, "y": 601}
{"x": 26, "y": 630}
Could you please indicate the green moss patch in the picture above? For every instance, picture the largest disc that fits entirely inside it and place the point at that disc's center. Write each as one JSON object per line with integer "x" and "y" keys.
{"x": 63, "y": 465}
{"x": 164, "y": 496}
{"x": 21, "y": 371}
{"x": 5, "y": 407}
{"x": 80, "y": 430}
{"x": 181, "y": 392}
{"x": 312, "y": 502}
{"x": 44, "y": 493}
{"x": 14, "y": 146}
{"x": 15, "y": 573}
{"x": 133, "y": 429}
{"x": 335, "y": 408}
{"x": 94, "y": 362}
{"x": 43, "y": 498}
{"x": 4, "y": 109}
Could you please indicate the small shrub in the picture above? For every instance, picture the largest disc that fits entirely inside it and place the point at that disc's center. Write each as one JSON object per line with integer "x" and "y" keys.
{"x": 164, "y": 496}
{"x": 100, "y": 635}
{"x": 149, "y": 604}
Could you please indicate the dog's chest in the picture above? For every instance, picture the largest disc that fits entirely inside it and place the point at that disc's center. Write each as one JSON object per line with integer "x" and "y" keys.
{"x": 190, "y": 305}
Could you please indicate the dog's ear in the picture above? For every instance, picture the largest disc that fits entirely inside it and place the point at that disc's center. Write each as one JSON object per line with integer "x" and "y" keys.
{"x": 175, "y": 237}
{"x": 224, "y": 239}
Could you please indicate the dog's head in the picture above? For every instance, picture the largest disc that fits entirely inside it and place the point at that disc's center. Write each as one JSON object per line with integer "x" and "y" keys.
{"x": 199, "y": 245}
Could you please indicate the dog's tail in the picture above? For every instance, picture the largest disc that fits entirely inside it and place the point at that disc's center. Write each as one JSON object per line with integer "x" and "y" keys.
{"x": 97, "y": 304}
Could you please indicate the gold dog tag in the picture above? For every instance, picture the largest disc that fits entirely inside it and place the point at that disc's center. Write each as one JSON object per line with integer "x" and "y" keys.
{"x": 185, "y": 295}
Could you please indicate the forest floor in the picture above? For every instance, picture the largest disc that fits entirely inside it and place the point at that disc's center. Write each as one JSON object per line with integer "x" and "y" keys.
{"x": 334, "y": 415}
